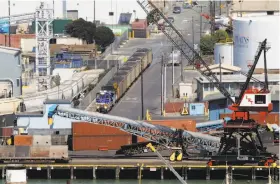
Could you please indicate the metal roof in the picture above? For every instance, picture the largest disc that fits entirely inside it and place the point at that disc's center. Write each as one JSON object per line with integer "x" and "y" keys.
{"x": 241, "y": 78}
{"x": 224, "y": 67}
{"x": 9, "y": 50}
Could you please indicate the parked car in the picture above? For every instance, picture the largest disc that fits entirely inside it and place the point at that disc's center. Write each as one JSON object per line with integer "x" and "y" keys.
{"x": 171, "y": 19}
{"x": 177, "y": 9}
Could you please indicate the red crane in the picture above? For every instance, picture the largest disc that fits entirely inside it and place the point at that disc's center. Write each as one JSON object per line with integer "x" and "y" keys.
{"x": 241, "y": 135}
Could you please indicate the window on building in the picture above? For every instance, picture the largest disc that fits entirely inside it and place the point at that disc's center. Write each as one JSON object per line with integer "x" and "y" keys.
{"x": 206, "y": 87}
{"x": 193, "y": 107}
{"x": 18, "y": 82}
{"x": 211, "y": 87}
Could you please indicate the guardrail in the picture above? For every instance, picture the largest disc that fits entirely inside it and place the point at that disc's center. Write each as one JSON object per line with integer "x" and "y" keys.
{"x": 89, "y": 98}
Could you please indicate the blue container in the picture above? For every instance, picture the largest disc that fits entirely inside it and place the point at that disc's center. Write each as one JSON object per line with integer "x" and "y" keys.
{"x": 64, "y": 65}
{"x": 196, "y": 109}
{"x": 4, "y": 26}
{"x": 77, "y": 63}
{"x": 217, "y": 107}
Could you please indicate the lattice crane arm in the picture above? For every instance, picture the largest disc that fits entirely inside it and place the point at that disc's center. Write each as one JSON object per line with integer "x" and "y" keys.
{"x": 184, "y": 47}
{"x": 262, "y": 47}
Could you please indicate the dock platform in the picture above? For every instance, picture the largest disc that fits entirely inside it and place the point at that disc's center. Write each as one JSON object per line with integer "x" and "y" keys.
{"x": 141, "y": 168}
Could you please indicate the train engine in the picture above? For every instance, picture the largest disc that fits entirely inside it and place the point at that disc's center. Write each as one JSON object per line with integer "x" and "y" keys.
{"x": 105, "y": 100}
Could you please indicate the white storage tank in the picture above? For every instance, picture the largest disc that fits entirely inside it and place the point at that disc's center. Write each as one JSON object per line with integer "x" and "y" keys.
{"x": 223, "y": 51}
{"x": 248, "y": 32}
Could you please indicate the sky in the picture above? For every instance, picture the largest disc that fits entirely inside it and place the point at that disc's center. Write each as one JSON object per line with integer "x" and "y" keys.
{"x": 84, "y": 7}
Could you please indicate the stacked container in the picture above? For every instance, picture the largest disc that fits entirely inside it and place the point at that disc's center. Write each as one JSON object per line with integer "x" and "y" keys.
{"x": 88, "y": 136}
{"x": 140, "y": 28}
{"x": 35, "y": 146}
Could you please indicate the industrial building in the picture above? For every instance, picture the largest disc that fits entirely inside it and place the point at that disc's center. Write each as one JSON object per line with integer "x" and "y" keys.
{"x": 218, "y": 104}
{"x": 233, "y": 84}
{"x": 10, "y": 72}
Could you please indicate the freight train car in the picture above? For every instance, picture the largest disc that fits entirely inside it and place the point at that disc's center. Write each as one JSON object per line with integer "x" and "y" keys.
{"x": 123, "y": 80}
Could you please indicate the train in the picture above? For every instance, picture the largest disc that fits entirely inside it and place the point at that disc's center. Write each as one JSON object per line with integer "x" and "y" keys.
{"x": 113, "y": 91}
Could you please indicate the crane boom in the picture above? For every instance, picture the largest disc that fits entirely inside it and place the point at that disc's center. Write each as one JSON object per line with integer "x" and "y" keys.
{"x": 182, "y": 45}
{"x": 261, "y": 48}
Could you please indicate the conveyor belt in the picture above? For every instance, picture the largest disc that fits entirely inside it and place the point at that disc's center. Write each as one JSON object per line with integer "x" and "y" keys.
{"x": 157, "y": 133}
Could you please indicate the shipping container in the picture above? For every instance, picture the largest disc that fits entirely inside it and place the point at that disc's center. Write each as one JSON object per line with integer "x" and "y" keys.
{"x": 173, "y": 107}
{"x": 184, "y": 124}
{"x": 140, "y": 24}
{"x": 23, "y": 140}
{"x": 40, "y": 151}
{"x": 88, "y": 129}
{"x": 42, "y": 140}
{"x": 66, "y": 131}
{"x": 58, "y": 152}
{"x": 15, "y": 39}
{"x": 7, "y": 151}
{"x": 22, "y": 151}
{"x": 196, "y": 109}
{"x": 140, "y": 33}
{"x": 58, "y": 26}
{"x": 81, "y": 143}
{"x": 59, "y": 139}
{"x": 272, "y": 118}
{"x": 7, "y": 131}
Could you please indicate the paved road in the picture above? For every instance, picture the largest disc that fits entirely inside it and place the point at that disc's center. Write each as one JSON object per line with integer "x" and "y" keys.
{"x": 130, "y": 104}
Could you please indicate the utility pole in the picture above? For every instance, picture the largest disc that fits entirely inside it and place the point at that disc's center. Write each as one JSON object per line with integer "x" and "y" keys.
{"x": 200, "y": 31}
{"x": 165, "y": 95}
{"x": 172, "y": 71}
{"x": 94, "y": 11}
{"x": 142, "y": 93}
{"x": 220, "y": 7}
{"x": 182, "y": 67}
{"x": 162, "y": 85}
{"x": 193, "y": 39}
{"x": 53, "y": 9}
{"x": 9, "y": 11}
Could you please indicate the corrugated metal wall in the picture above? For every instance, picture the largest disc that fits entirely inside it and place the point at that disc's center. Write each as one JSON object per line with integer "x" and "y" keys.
{"x": 217, "y": 107}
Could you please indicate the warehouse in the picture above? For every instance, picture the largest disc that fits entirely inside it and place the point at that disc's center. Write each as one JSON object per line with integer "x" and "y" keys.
{"x": 232, "y": 83}
{"x": 11, "y": 83}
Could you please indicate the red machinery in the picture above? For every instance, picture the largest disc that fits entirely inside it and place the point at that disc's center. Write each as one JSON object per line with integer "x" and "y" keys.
{"x": 241, "y": 141}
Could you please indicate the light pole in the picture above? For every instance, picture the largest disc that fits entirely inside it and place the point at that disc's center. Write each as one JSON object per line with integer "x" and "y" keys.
{"x": 94, "y": 11}
{"x": 9, "y": 11}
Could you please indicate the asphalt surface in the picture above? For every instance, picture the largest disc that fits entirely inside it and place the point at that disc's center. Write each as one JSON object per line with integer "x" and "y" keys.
{"x": 130, "y": 105}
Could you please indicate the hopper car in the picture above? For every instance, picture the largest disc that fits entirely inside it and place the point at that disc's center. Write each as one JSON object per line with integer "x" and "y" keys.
{"x": 112, "y": 92}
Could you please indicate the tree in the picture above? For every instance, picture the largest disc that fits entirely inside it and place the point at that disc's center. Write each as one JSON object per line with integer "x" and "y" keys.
{"x": 81, "y": 29}
{"x": 104, "y": 36}
{"x": 207, "y": 45}
{"x": 152, "y": 17}
{"x": 220, "y": 35}
{"x": 207, "y": 42}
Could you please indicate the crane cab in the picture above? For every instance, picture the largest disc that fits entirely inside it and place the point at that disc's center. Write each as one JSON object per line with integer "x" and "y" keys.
{"x": 256, "y": 99}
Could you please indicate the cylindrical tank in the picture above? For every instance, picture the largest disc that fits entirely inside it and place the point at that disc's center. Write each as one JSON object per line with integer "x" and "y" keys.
{"x": 16, "y": 173}
{"x": 248, "y": 32}
{"x": 223, "y": 51}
